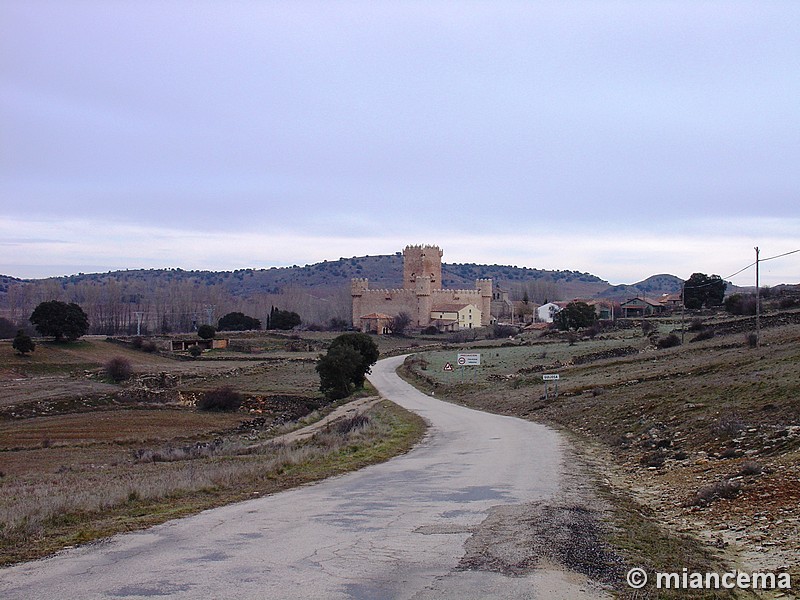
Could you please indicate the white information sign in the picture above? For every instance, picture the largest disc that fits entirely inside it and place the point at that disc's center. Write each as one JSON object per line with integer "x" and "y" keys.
{"x": 550, "y": 377}
{"x": 469, "y": 359}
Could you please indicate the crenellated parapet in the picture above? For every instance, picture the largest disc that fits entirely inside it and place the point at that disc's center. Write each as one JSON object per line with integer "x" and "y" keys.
{"x": 358, "y": 286}
{"x": 484, "y": 286}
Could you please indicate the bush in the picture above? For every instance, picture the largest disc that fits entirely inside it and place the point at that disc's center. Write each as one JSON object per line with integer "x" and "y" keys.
{"x": 206, "y": 332}
{"x": 23, "y": 343}
{"x": 430, "y": 330}
{"x": 703, "y": 335}
{"x": 195, "y": 350}
{"x": 670, "y": 341}
{"x": 504, "y": 331}
{"x": 722, "y": 489}
{"x": 237, "y": 321}
{"x": 119, "y": 369}
{"x": 137, "y": 342}
{"x": 149, "y": 347}
{"x": 696, "y": 324}
{"x": 221, "y": 399}
{"x": 752, "y": 340}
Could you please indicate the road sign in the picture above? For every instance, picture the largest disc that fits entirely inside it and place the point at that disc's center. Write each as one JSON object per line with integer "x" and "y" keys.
{"x": 550, "y": 377}
{"x": 469, "y": 359}
{"x": 447, "y": 367}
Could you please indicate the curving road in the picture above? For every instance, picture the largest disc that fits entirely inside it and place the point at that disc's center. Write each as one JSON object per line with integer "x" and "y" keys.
{"x": 394, "y": 530}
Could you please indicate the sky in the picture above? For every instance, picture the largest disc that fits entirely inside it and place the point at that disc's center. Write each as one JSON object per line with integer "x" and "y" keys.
{"x": 624, "y": 139}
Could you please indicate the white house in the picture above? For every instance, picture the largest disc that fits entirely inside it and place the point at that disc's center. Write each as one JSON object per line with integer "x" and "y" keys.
{"x": 546, "y": 312}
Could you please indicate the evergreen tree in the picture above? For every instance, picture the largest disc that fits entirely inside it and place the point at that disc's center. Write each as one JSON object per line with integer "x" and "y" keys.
{"x": 23, "y": 343}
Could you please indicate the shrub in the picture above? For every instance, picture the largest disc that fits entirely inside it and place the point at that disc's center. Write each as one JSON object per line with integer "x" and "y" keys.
{"x": 119, "y": 369}
{"x": 206, "y": 332}
{"x": 749, "y": 468}
{"x": 149, "y": 347}
{"x": 504, "y": 331}
{"x": 752, "y": 340}
{"x": 195, "y": 350}
{"x": 670, "y": 341}
{"x": 696, "y": 324}
{"x": 221, "y": 399}
{"x": 648, "y": 327}
{"x": 345, "y": 426}
{"x": 137, "y": 342}
{"x": 703, "y": 335}
{"x": 722, "y": 489}
{"x": 430, "y": 330}
{"x": 237, "y": 321}
{"x": 23, "y": 343}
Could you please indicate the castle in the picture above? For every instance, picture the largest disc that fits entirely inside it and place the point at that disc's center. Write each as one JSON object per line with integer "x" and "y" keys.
{"x": 422, "y": 298}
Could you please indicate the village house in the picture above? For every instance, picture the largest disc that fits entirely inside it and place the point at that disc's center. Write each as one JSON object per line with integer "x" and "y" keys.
{"x": 640, "y": 307}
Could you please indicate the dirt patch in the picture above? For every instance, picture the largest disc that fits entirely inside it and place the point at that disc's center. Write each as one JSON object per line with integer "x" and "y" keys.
{"x": 566, "y": 534}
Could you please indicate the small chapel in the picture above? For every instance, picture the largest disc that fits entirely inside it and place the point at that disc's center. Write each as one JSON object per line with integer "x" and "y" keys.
{"x": 422, "y": 297}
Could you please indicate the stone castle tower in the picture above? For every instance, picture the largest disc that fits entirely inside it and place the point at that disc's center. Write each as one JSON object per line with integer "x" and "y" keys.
{"x": 420, "y": 262}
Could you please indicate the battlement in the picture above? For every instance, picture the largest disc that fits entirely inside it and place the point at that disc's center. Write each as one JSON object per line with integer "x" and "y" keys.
{"x": 388, "y": 291}
{"x": 424, "y": 247}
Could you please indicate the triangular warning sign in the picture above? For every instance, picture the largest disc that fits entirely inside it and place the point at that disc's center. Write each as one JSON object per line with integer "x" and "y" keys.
{"x": 448, "y": 367}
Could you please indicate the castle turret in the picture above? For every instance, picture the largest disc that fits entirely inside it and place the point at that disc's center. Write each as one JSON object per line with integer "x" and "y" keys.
{"x": 357, "y": 289}
{"x": 484, "y": 286}
{"x": 424, "y": 286}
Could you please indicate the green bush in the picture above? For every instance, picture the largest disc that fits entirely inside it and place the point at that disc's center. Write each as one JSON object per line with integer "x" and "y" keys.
{"x": 23, "y": 343}
{"x": 206, "y": 332}
{"x": 195, "y": 350}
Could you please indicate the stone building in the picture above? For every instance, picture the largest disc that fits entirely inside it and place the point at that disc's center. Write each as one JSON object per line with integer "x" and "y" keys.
{"x": 422, "y": 297}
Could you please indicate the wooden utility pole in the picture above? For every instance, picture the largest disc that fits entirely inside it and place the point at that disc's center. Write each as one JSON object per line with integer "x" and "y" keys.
{"x": 758, "y": 305}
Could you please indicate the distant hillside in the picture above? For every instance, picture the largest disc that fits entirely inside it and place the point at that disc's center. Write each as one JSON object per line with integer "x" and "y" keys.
{"x": 652, "y": 287}
{"x": 177, "y": 300}
{"x": 384, "y": 271}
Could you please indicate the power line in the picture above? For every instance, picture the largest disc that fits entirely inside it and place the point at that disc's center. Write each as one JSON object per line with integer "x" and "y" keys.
{"x": 779, "y": 255}
{"x": 752, "y": 264}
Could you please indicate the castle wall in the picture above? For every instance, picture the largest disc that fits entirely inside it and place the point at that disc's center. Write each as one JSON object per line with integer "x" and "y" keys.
{"x": 390, "y": 302}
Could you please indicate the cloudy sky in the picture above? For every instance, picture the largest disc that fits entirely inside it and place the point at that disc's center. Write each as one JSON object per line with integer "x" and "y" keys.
{"x": 621, "y": 138}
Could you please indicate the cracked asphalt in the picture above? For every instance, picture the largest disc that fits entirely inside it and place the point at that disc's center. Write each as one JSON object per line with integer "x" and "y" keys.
{"x": 394, "y": 530}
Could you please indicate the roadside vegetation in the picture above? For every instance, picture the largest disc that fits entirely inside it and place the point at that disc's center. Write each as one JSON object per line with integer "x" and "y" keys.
{"x": 695, "y": 445}
{"x": 99, "y": 437}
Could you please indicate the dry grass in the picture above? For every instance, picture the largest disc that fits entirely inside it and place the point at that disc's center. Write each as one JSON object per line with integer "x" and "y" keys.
{"x": 39, "y": 513}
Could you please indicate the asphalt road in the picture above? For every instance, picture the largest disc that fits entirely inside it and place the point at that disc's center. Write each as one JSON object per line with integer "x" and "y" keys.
{"x": 394, "y": 530}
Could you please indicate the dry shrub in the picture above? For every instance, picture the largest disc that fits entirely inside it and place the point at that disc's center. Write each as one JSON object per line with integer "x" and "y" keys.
{"x": 119, "y": 369}
{"x": 221, "y": 399}
{"x": 670, "y": 341}
{"x": 722, "y": 489}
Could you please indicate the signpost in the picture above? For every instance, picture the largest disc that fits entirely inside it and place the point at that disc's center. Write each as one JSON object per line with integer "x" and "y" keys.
{"x": 472, "y": 359}
{"x": 547, "y": 377}
{"x": 468, "y": 359}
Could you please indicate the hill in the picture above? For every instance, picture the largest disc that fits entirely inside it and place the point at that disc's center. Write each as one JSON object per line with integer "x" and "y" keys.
{"x": 652, "y": 287}
{"x": 178, "y": 300}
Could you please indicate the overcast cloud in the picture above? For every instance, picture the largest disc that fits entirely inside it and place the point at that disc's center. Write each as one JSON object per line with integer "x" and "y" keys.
{"x": 621, "y": 138}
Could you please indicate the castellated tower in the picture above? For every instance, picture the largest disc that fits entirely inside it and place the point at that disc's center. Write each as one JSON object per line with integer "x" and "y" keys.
{"x": 422, "y": 261}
